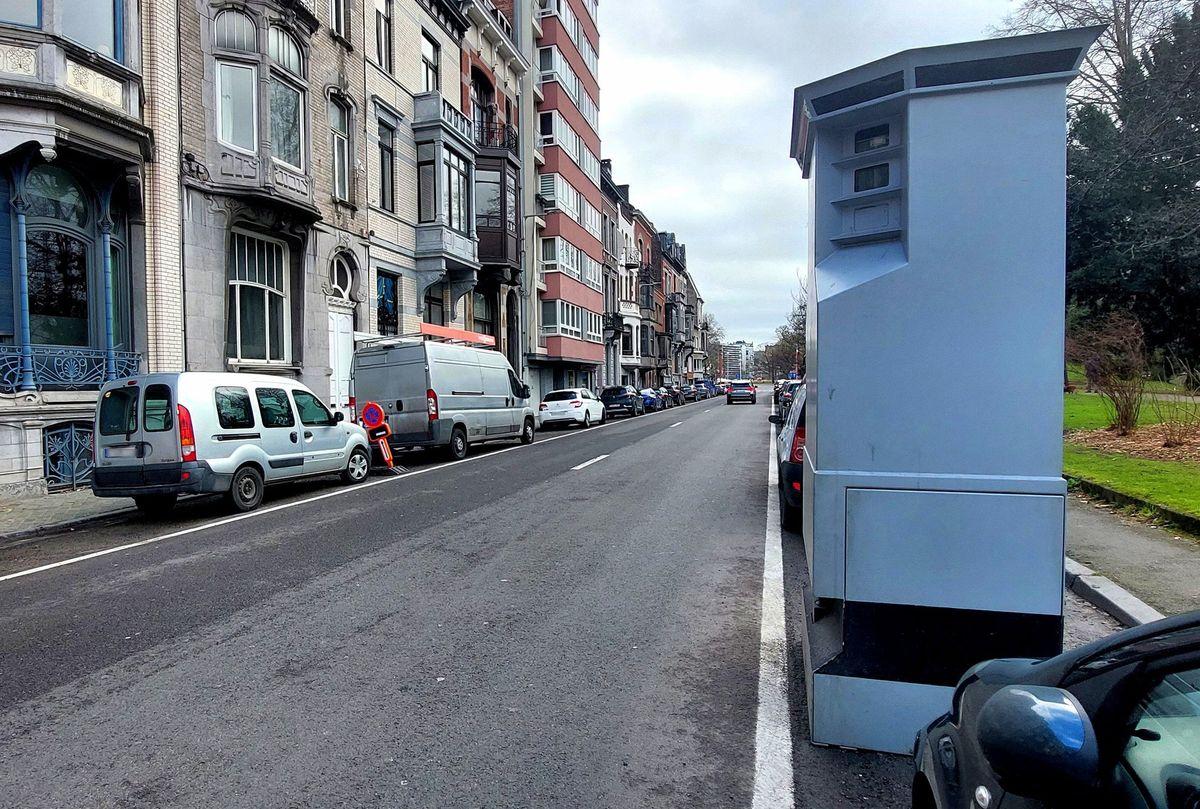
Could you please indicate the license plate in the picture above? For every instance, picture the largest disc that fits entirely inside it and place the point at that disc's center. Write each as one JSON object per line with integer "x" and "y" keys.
{"x": 120, "y": 452}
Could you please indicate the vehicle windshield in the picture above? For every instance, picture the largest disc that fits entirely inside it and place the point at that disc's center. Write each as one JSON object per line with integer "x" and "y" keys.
{"x": 561, "y": 396}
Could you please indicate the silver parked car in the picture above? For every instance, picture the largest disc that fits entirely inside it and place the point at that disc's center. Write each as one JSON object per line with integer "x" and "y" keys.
{"x": 162, "y": 435}
{"x": 443, "y": 395}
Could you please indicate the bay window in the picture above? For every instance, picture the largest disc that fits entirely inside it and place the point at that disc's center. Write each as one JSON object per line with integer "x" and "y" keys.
{"x": 287, "y": 101}
{"x": 237, "y": 105}
{"x": 426, "y": 182}
{"x": 21, "y": 12}
{"x": 94, "y": 24}
{"x": 257, "y": 326}
{"x": 456, "y": 206}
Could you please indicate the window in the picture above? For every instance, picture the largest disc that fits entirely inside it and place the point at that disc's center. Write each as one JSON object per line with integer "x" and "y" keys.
{"x": 383, "y": 34}
{"x": 235, "y": 32}
{"x": 426, "y": 183}
{"x": 871, "y": 138}
{"x": 871, "y": 177}
{"x": 1163, "y": 748}
{"x": 156, "y": 409}
{"x": 511, "y": 212}
{"x": 339, "y": 131}
{"x": 93, "y": 24}
{"x": 431, "y": 58}
{"x": 274, "y": 406}
{"x": 341, "y": 277}
{"x": 387, "y": 167}
{"x": 387, "y": 303}
{"x": 118, "y": 411}
{"x": 283, "y": 48}
{"x": 455, "y": 201}
{"x": 488, "y": 213}
{"x": 237, "y": 104}
{"x": 313, "y": 412}
{"x": 435, "y": 306}
{"x": 20, "y": 12}
{"x": 483, "y": 313}
{"x": 58, "y": 288}
{"x": 287, "y": 111}
{"x": 337, "y": 17}
{"x": 257, "y": 326}
{"x": 233, "y": 408}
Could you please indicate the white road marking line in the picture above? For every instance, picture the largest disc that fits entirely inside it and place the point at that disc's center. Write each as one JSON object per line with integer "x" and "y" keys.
{"x": 586, "y": 464}
{"x": 334, "y": 493}
{"x": 676, "y": 424}
{"x": 774, "y": 785}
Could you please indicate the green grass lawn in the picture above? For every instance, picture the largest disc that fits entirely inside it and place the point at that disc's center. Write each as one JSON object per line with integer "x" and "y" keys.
{"x": 1086, "y": 411}
{"x": 1170, "y": 484}
{"x": 1076, "y": 377}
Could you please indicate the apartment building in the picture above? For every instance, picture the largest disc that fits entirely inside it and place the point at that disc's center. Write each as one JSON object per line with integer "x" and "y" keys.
{"x": 569, "y": 306}
{"x": 74, "y": 295}
{"x": 739, "y": 359}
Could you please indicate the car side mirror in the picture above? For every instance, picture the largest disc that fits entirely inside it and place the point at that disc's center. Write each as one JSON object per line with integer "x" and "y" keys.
{"x": 1039, "y": 742}
{"x": 775, "y": 418}
{"x": 339, "y": 417}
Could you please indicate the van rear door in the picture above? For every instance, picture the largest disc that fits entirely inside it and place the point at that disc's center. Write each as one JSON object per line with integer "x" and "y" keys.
{"x": 119, "y": 449}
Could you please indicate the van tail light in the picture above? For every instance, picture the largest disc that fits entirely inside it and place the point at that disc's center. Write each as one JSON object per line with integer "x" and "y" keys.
{"x": 187, "y": 437}
{"x": 352, "y": 406}
{"x": 798, "y": 445}
{"x": 431, "y": 401}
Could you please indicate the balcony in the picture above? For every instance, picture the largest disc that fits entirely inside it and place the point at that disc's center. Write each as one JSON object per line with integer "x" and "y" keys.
{"x": 431, "y": 108}
{"x": 498, "y": 137}
{"x": 65, "y": 367}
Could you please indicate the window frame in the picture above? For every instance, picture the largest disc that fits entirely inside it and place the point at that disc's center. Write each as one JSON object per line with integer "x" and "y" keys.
{"x": 382, "y": 273}
{"x": 385, "y": 54}
{"x": 37, "y": 8}
{"x": 456, "y": 176}
{"x": 228, "y": 390}
{"x": 283, "y": 79}
{"x": 258, "y": 391}
{"x": 387, "y": 166}
{"x": 118, "y": 22}
{"x": 253, "y": 68}
{"x": 431, "y": 67}
{"x": 234, "y": 283}
{"x": 343, "y": 189}
{"x": 339, "y": 19}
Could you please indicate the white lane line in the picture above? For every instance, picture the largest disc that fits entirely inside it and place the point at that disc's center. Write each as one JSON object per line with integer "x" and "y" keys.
{"x": 676, "y": 424}
{"x": 270, "y": 509}
{"x": 586, "y": 464}
{"x": 774, "y": 785}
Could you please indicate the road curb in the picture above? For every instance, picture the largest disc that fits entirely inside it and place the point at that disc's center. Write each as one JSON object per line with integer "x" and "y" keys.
{"x": 14, "y": 538}
{"x": 1184, "y": 521}
{"x": 1107, "y": 595}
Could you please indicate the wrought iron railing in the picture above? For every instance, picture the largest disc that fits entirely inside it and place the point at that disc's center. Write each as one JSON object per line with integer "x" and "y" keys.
{"x": 497, "y": 136}
{"x": 64, "y": 367}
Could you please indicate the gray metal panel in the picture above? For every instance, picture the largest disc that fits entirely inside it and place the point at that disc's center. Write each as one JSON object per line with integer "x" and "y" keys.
{"x": 873, "y": 714}
{"x": 962, "y": 550}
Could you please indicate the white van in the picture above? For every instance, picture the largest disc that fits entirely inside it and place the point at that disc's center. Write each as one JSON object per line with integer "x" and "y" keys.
{"x": 443, "y": 395}
{"x": 158, "y": 436}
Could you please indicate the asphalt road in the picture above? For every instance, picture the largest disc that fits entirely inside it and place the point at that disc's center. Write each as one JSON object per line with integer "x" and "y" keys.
{"x": 500, "y": 632}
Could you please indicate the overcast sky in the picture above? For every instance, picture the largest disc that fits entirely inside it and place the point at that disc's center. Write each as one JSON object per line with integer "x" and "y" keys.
{"x": 695, "y": 113}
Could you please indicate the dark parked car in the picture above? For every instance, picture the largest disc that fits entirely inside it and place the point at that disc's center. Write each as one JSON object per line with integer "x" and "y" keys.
{"x": 676, "y": 394}
{"x": 622, "y": 400}
{"x": 1112, "y": 724}
{"x": 741, "y": 391}
{"x": 788, "y": 394}
{"x": 689, "y": 393}
{"x": 667, "y": 396}
{"x": 789, "y": 459}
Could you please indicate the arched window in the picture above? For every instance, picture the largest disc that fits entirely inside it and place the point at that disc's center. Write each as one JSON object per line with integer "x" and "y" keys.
{"x": 52, "y": 192}
{"x": 283, "y": 48}
{"x": 235, "y": 31}
{"x": 257, "y": 323}
{"x": 341, "y": 276}
{"x": 287, "y": 100}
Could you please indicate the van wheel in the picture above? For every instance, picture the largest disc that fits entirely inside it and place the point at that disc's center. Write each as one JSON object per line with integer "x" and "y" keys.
{"x": 246, "y": 492}
{"x": 527, "y": 432}
{"x": 358, "y": 467}
{"x": 156, "y": 505}
{"x": 456, "y": 450}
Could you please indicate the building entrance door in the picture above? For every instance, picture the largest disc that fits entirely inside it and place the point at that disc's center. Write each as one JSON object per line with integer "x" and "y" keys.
{"x": 341, "y": 353}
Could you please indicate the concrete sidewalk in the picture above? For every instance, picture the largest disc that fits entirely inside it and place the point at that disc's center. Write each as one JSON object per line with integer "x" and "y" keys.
{"x": 1160, "y": 566}
{"x": 29, "y": 515}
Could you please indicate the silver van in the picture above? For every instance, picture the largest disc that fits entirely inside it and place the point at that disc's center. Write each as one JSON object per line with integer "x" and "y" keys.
{"x": 443, "y": 395}
{"x": 158, "y": 436}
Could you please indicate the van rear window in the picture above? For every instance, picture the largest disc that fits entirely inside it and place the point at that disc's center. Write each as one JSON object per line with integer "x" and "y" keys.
{"x": 233, "y": 408}
{"x": 156, "y": 416}
{"x": 118, "y": 411}
{"x": 561, "y": 396}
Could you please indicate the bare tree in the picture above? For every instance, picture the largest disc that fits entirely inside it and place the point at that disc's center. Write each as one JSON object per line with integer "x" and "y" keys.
{"x": 1113, "y": 355}
{"x": 1179, "y": 414}
{"x": 1130, "y": 24}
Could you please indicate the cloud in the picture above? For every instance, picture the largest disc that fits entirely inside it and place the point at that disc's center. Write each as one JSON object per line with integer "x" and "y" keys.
{"x": 696, "y": 107}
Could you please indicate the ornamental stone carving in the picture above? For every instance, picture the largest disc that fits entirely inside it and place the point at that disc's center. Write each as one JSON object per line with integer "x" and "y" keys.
{"x": 19, "y": 61}
{"x": 97, "y": 85}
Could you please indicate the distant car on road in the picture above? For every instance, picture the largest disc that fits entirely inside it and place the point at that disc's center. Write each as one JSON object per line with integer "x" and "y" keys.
{"x": 668, "y": 397}
{"x": 689, "y": 393}
{"x": 622, "y": 399}
{"x": 702, "y": 391}
{"x": 653, "y": 400}
{"x": 162, "y": 435}
{"x": 571, "y": 406}
{"x": 1115, "y": 723}
{"x": 789, "y": 458}
{"x": 741, "y": 391}
{"x": 677, "y": 394}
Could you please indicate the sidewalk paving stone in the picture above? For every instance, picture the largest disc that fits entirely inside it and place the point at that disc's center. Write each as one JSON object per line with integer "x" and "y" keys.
{"x": 30, "y": 515}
